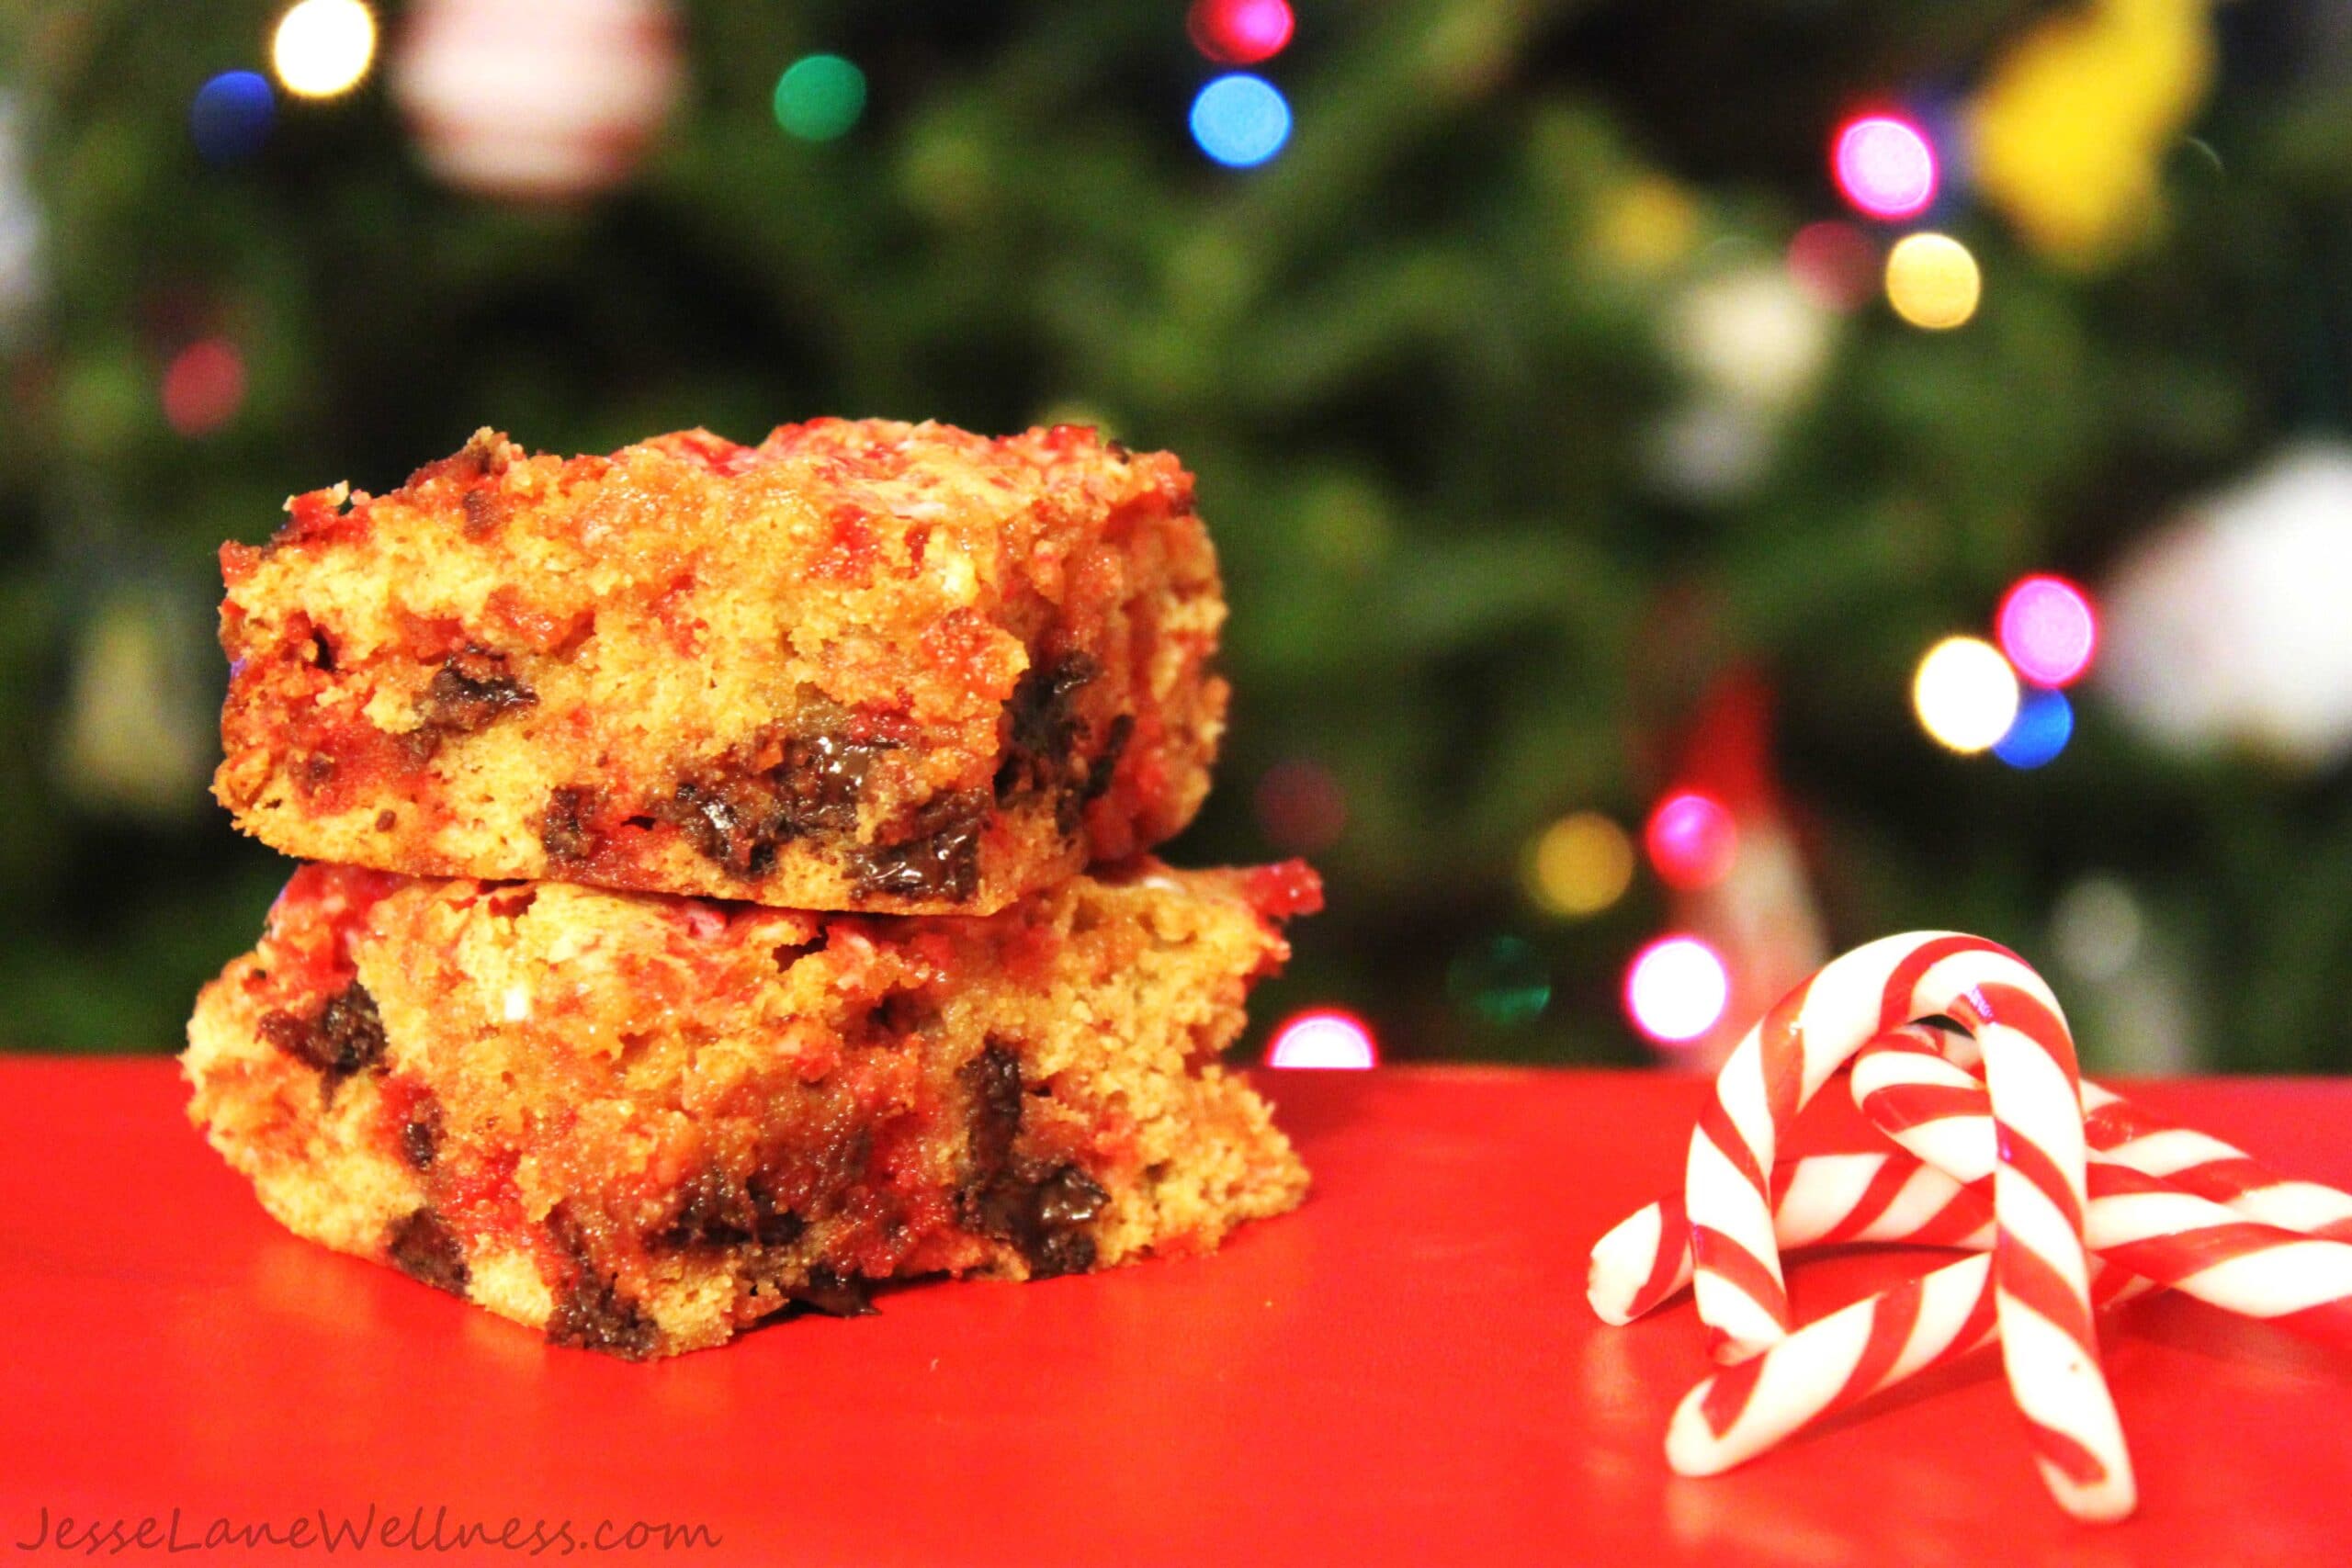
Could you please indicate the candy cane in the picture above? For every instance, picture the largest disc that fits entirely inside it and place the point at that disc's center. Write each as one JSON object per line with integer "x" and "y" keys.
{"x": 1896, "y": 1093}
{"x": 2132, "y": 1219}
{"x": 2040, "y": 1271}
{"x": 1820, "y": 1200}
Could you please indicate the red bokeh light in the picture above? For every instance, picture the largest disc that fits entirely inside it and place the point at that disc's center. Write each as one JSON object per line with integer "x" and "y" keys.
{"x": 1300, "y": 807}
{"x": 1835, "y": 264}
{"x": 1239, "y": 32}
{"x": 203, "y": 387}
{"x": 1691, "y": 840}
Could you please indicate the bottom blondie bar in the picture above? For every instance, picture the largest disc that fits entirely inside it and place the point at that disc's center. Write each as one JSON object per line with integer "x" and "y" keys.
{"x": 641, "y": 1123}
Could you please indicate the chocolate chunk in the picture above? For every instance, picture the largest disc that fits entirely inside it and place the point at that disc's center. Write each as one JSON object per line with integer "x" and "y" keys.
{"x": 1040, "y": 728}
{"x": 345, "y": 1036}
{"x": 421, "y": 1135}
{"x": 942, "y": 860}
{"x": 424, "y": 1248}
{"x": 835, "y": 1295}
{"x": 387, "y": 819}
{"x": 739, "y": 817}
{"x": 719, "y": 1212}
{"x": 567, "y": 824}
{"x": 470, "y": 690}
{"x": 1041, "y": 1210}
{"x": 591, "y": 1313}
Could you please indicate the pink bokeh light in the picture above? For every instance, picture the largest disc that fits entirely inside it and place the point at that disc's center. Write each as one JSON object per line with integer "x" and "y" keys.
{"x": 1239, "y": 32}
{"x": 1886, "y": 166}
{"x": 1325, "y": 1037}
{"x": 204, "y": 386}
{"x": 1675, "y": 989}
{"x": 1691, "y": 840}
{"x": 2049, "y": 630}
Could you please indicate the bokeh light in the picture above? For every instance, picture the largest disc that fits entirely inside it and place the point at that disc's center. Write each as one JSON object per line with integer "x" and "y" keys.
{"x": 2048, "y": 629}
{"x": 1835, "y": 264}
{"x": 1675, "y": 989}
{"x": 1501, "y": 981}
{"x": 323, "y": 47}
{"x": 2045, "y": 722}
{"x": 203, "y": 387}
{"x": 1325, "y": 1037}
{"x": 819, "y": 97}
{"x": 1579, "y": 865}
{"x": 230, "y": 119}
{"x": 1886, "y": 166}
{"x": 1240, "y": 120}
{"x": 1932, "y": 281}
{"x": 1239, "y": 32}
{"x": 1300, "y": 807}
{"x": 1965, "y": 694}
{"x": 1691, "y": 840}
{"x": 2097, "y": 928}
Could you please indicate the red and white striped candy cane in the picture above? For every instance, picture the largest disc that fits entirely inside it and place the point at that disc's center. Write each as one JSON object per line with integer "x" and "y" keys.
{"x": 1820, "y": 1200}
{"x": 2040, "y": 1269}
{"x": 2138, "y": 1222}
{"x": 1846, "y": 1355}
{"x": 1897, "y": 1094}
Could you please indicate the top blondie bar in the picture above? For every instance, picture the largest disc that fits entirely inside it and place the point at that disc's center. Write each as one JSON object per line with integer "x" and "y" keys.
{"x": 862, "y": 665}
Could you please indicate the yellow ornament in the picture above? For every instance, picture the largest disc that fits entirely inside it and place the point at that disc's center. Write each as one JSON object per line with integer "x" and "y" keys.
{"x": 2073, "y": 123}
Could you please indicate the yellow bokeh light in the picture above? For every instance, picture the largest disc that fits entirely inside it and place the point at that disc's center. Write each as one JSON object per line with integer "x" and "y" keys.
{"x": 1932, "y": 281}
{"x": 1579, "y": 865}
{"x": 1965, "y": 694}
{"x": 1648, "y": 225}
{"x": 323, "y": 47}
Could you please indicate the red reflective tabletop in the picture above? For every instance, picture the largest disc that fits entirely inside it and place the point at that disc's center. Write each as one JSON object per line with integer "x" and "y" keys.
{"x": 1404, "y": 1370}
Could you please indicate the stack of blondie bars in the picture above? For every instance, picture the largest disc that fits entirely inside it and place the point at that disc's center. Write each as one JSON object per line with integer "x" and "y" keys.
{"x": 726, "y": 881}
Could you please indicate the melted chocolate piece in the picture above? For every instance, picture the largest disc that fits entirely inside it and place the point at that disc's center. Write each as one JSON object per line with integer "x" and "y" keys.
{"x": 721, "y": 1213}
{"x": 740, "y": 818}
{"x": 1105, "y": 765}
{"x": 835, "y": 1295}
{"x": 591, "y": 1313}
{"x": 567, "y": 824}
{"x": 345, "y": 1036}
{"x": 471, "y": 689}
{"x": 1040, "y": 729}
{"x": 943, "y": 861}
{"x": 1040, "y": 1210}
{"x": 424, "y": 1248}
{"x": 420, "y": 1135}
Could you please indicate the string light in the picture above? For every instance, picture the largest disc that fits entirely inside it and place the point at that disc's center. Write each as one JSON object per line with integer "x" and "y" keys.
{"x": 1579, "y": 865}
{"x": 1965, "y": 694}
{"x": 1239, "y": 32}
{"x": 819, "y": 97}
{"x": 203, "y": 387}
{"x": 229, "y": 117}
{"x": 1240, "y": 120}
{"x": 2048, "y": 629}
{"x": 1300, "y": 807}
{"x": 1325, "y": 1037}
{"x": 1885, "y": 166}
{"x": 322, "y": 48}
{"x": 2045, "y": 722}
{"x": 1691, "y": 840}
{"x": 1932, "y": 281}
{"x": 1675, "y": 989}
{"x": 1834, "y": 263}
{"x": 1501, "y": 981}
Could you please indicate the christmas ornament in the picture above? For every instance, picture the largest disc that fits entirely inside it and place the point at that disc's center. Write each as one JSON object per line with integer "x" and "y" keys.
{"x": 2229, "y": 624}
{"x": 2075, "y": 117}
{"x": 536, "y": 100}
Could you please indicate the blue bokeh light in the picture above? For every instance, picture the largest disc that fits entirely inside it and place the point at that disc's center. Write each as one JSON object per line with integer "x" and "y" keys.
{"x": 230, "y": 119}
{"x": 2045, "y": 722}
{"x": 1240, "y": 119}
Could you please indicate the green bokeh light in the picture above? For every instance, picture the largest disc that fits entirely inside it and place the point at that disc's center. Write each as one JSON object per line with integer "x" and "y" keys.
{"x": 819, "y": 97}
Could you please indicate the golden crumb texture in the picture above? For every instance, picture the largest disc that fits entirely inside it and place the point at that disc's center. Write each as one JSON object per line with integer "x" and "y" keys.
{"x": 640, "y": 1123}
{"x": 859, "y": 666}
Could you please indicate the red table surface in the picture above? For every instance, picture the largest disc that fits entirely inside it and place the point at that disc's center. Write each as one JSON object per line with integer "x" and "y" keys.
{"x": 1405, "y": 1371}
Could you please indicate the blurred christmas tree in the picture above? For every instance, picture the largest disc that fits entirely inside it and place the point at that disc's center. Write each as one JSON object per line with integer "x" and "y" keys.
{"x": 1571, "y": 436}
